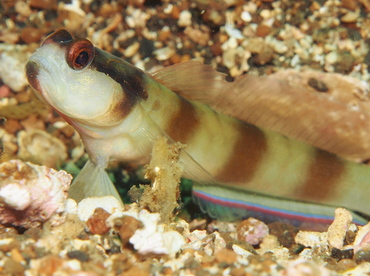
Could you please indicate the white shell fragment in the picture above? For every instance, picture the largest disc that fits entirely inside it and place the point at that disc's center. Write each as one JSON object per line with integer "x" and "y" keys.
{"x": 362, "y": 240}
{"x": 13, "y": 59}
{"x": 32, "y": 194}
{"x": 152, "y": 238}
{"x": 86, "y": 208}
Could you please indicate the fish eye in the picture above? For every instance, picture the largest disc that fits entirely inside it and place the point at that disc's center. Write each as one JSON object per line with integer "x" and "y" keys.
{"x": 80, "y": 54}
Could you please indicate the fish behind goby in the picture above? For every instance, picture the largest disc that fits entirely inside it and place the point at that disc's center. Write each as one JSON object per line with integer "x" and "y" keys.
{"x": 239, "y": 169}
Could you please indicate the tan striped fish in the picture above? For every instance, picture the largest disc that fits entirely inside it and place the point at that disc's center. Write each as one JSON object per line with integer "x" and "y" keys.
{"x": 241, "y": 170}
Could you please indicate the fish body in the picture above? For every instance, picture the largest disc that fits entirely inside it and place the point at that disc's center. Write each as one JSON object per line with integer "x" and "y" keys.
{"x": 239, "y": 169}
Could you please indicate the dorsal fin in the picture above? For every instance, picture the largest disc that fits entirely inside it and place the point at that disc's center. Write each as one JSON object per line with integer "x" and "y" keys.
{"x": 326, "y": 110}
{"x": 193, "y": 81}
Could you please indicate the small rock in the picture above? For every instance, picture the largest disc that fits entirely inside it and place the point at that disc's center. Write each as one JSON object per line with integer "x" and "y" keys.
{"x": 164, "y": 53}
{"x": 318, "y": 85}
{"x": 44, "y": 4}
{"x": 96, "y": 223}
{"x": 79, "y": 255}
{"x": 30, "y": 35}
{"x": 13, "y": 59}
{"x": 184, "y": 19}
{"x": 338, "y": 229}
{"x": 284, "y": 232}
{"x": 362, "y": 255}
{"x": 42, "y": 148}
{"x": 345, "y": 265}
{"x": 350, "y": 16}
{"x": 263, "y": 30}
{"x": 226, "y": 256}
{"x": 246, "y": 16}
{"x": 127, "y": 226}
{"x": 311, "y": 239}
{"x": 252, "y": 231}
{"x": 12, "y": 267}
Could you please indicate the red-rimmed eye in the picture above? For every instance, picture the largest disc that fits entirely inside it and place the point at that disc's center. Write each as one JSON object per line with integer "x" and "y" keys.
{"x": 80, "y": 54}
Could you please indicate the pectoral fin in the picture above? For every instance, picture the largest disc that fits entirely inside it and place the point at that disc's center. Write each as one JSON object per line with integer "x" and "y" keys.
{"x": 92, "y": 181}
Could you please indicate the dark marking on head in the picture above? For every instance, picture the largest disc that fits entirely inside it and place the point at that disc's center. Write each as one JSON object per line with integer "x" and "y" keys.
{"x": 324, "y": 172}
{"x": 32, "y": 71}
{"x": 60, "y": 36}
{"x": 130, "y": 78}
{"x": 248, "y": 152}
{"x": 318, "y": 85}
{"x": 184, "y": 123}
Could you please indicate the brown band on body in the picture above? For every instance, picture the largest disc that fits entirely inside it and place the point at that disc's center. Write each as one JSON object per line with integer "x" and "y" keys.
{"x": 247, "y": 154}
{"x": 323, "y": 175}
{"x": 183, "y": 123}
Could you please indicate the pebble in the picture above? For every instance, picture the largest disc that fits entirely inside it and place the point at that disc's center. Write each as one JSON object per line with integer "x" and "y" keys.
{"x": 318, "y": 85}
{"x": 184, "y": 19}
{"x": 126, "y": 226}
{"x": 23, "y": 8}
{"x": 263, "y": 30}
{"x": 132, "y": 49}
{"x": 12, "y": 267}
{"x": 344, "y": 265}
{"x": 332, "y": 57}
{"x": 199, "y": 36}
{"x": 40, "y": 147}
{"x": 285, "y": 233}
{"x": 226, "y": 256}
{"x": 96, "y": 223}
{"x": 311, "y": 239}
{"x": 350, "y": 17}
{"x": 13, "y": 60}
{"x": 362, "y": 255}
{"x": 79, "y": 255}
{"x": 30, "y": 35}
{"x": 252, "y": 231}
{"x": 246, "y": 16}
{"x": 44, "y": 4}
{"x": 164, "y": 53}
{"x": 233, "y": 32}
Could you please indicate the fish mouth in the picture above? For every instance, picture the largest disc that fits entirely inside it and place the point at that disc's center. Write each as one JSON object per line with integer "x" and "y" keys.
{"x": 32, "y": 72}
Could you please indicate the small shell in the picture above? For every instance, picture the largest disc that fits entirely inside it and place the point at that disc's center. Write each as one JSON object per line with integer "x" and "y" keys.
{"x": 31, "y": 194}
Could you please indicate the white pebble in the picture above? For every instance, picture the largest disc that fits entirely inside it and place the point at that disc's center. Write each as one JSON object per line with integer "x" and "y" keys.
{"x": 246, "y": 16}
{"x": 332, "y": 57}
{"x": 233, "y": 32}
{"x": 280, "y": 47}
{"x": 86, "y": 207}
{"x": 295, "y": 61}
{"x": 15, "y": 196}
{"x": 184, "y": 19}
{"x": 164, "y": 53}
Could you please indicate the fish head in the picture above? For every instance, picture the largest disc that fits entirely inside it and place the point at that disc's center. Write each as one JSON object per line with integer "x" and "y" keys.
{"x": 69, "y": 74}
